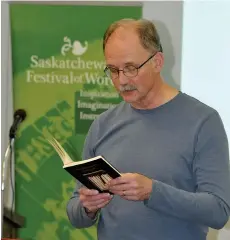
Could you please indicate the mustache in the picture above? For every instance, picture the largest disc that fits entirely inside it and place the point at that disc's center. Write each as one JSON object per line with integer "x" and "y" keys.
{"x": 127, "y": 88}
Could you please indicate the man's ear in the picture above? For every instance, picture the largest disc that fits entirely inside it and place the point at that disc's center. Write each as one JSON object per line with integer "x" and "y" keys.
{"x": 158, "y": 61}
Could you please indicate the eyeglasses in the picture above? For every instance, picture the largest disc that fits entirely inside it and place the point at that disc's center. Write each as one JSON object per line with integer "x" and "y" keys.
{"x": 128, "y": 71}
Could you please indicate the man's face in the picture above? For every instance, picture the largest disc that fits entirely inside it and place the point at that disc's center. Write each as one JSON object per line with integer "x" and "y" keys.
{"x": 124, "y": 49}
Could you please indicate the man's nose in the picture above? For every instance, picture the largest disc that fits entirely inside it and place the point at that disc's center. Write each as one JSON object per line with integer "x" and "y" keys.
{"x": 122, "y": 78}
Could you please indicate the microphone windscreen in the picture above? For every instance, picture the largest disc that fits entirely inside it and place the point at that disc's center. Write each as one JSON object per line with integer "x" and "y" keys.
{"x": 20, "y": 113}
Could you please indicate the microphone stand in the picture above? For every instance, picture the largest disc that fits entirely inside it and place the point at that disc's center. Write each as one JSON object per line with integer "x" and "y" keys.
{"x": 7, "y": 157}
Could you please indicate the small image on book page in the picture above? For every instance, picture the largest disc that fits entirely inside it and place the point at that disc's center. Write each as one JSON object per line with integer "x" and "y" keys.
{"x": 100, "y": 179}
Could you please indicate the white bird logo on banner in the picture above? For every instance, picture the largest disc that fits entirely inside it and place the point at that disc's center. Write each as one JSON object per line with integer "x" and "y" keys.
{"x": 77, "y": 48}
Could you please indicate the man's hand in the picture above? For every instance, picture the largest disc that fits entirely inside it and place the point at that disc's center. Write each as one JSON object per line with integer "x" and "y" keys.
{"x": 132, "y": 186}
{"x": 92, "y": 200}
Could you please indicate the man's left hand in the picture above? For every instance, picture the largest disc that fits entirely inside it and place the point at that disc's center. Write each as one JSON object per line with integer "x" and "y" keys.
{"x": 132, "y": 186}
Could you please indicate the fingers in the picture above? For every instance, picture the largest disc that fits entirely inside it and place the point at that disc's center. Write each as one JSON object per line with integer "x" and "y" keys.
{"x": 88, "y": 192}
{"x": 125, "y": 178}
{"x": 103, "y": 204}
{"x": 125, "y": 182}
{"x": 132, "y": 186}
{"x": 119, "y": 189}
{"x": 95, "y": 205}
{"x": 127, "y": 192}
{"x": 92, "y": 199}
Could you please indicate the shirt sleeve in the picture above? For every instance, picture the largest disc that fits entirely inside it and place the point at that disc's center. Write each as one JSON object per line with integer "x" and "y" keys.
{"x": 75, "y": 211}
{"x": 209, "y": 205}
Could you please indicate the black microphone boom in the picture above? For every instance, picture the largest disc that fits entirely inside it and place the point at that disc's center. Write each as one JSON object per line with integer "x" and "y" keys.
{"x": 19, "y": 116}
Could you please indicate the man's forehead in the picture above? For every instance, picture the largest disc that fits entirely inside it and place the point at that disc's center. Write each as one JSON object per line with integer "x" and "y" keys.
{"x": 122, "y": 60}
{"x": 120, "y": 56}
{"x": 118, "y": 48}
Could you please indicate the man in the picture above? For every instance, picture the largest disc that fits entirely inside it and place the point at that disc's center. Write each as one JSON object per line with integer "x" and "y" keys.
{"x": 171, "y": 148}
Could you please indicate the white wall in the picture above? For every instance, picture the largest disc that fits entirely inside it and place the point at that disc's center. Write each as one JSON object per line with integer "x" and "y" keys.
{"x": 206, "y": 54}
{"x": 6, "y": 104}
{"x": 6, "y": 91}
{"x": 168, "y": 18}
{"x": 206, "y": 62}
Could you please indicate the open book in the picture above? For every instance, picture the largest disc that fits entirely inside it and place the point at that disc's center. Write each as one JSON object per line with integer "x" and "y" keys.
{"x": 94, "y": 173}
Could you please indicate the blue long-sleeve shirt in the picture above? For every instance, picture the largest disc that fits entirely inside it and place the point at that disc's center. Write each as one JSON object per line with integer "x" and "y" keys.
{"x": 183, "y": 146}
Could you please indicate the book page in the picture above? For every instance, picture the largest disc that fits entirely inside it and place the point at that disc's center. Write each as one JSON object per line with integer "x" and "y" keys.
{"x": 61, "y": 152}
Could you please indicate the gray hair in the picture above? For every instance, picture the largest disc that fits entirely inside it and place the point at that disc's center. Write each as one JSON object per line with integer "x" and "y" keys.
{"x": 146, "y": 31}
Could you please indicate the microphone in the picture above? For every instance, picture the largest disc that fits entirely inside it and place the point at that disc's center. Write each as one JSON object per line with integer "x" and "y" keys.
{"x": 19, "y": 116}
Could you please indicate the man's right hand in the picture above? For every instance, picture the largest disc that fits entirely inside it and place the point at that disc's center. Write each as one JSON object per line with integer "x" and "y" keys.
{"x": 92, "y": 200}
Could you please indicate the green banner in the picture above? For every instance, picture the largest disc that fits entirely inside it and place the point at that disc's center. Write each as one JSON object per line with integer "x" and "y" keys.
{"x": 58, "y": 79}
